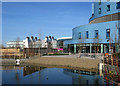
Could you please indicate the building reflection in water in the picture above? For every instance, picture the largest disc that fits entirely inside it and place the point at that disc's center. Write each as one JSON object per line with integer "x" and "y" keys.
{"x": 36, "y": 74}
{"x": 31, "y": 69}
{"x": 16, "y": 74}
{"x": 11, "y": 67}
{"x": 84, "y": 77}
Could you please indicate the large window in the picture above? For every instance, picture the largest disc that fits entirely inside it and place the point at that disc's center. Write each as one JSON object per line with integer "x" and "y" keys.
{"x": 118, "y": 5}
{"x": 79, "y": 35}
{"x": 107, "y": 33}
{"x": 96, "y": 34}
{"x": 99, "y": 10}
{"x": 87, "y": 35}
{"x": 108, "y": 8}
{"x": 119, "y": 33}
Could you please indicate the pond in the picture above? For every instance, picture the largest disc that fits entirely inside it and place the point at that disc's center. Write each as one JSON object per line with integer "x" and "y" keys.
{"x": 43, "y": 75}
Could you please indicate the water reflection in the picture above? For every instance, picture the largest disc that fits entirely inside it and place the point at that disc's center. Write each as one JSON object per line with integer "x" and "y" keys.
{"x": 30, "y": 69}
{"x": 82, "y": 72}
{"x": 84, "y": 77}
{"x": 9, "y": 67}
{"x": 43, "y": 75}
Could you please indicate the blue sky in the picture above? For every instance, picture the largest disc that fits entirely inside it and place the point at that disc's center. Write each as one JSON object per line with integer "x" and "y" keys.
{"x": 21, "y": 19}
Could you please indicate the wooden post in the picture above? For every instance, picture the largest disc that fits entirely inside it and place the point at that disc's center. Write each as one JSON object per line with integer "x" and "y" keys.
{"x": 25, "y": 55}
{"x": 111, "y": 60}
{"x": 103, "y": 58}
{"x": 107, "y": 59}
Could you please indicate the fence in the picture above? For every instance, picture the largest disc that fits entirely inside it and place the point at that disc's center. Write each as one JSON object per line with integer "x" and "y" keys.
{"x": 111, "y": 69}
{"x": 37, "y": 51}
{"x": 11, "y": 53}
{"x": 15, "y": 53}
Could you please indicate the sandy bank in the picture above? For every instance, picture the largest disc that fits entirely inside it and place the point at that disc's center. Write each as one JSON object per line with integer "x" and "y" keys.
{"x": 78, "y": 63}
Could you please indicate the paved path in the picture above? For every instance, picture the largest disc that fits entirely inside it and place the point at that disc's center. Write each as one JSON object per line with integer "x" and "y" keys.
{"x": 11, "y": 61}
{"x": 63, "y": 56}
{"x": 69, "y": 56}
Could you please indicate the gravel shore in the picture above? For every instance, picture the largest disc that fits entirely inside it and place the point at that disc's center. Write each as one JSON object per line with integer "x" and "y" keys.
{"x": 81, "y": 63}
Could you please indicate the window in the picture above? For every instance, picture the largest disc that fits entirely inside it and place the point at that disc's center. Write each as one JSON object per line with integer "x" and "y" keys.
{"x": 99, "y": 10}
{"x": 119, "y": 33}
{"x": 99, "y": 2}
{"x": 79, "y": 35}
{"x": 108, "y": 7}
{"x": 107, "y": 33}
{"x": 96, "y": 33}
{"x": 118, "y": 5}
{"x": 87, "y": 35}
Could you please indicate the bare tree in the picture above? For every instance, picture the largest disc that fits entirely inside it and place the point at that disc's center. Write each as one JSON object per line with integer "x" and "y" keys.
{"x": 97, "y": 44}
{"x": 2, "y": 46}
{"x": 116, "y": 40}
{"x": 18, "y": 42}
{"x": 39, "y": 35}
{"x": 31, "y": 44}
{"x": 81, "y": 46}
{"x": 17, "y": 45}
{"x": 111, "y": 44}
{"x": 49, "y": 46}
{"x": 94, "y": 44}
{"x": 39, "y": 44}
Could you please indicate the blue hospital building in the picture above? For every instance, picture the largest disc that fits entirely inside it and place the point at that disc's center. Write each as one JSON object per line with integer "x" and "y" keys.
{"x": 102, "y": 34}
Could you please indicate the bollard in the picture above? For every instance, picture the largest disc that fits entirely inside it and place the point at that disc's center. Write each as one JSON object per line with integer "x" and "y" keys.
{"x": 17, "y": 61}
{"x": 100, "y": 68}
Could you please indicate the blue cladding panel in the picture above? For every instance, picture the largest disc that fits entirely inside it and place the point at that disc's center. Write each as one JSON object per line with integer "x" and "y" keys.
{"x": 101, "y": 27}
{"x": 103, "y": 6}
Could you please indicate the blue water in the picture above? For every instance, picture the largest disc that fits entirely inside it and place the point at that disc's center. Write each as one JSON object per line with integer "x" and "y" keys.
{"x": 42, "y": 75}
